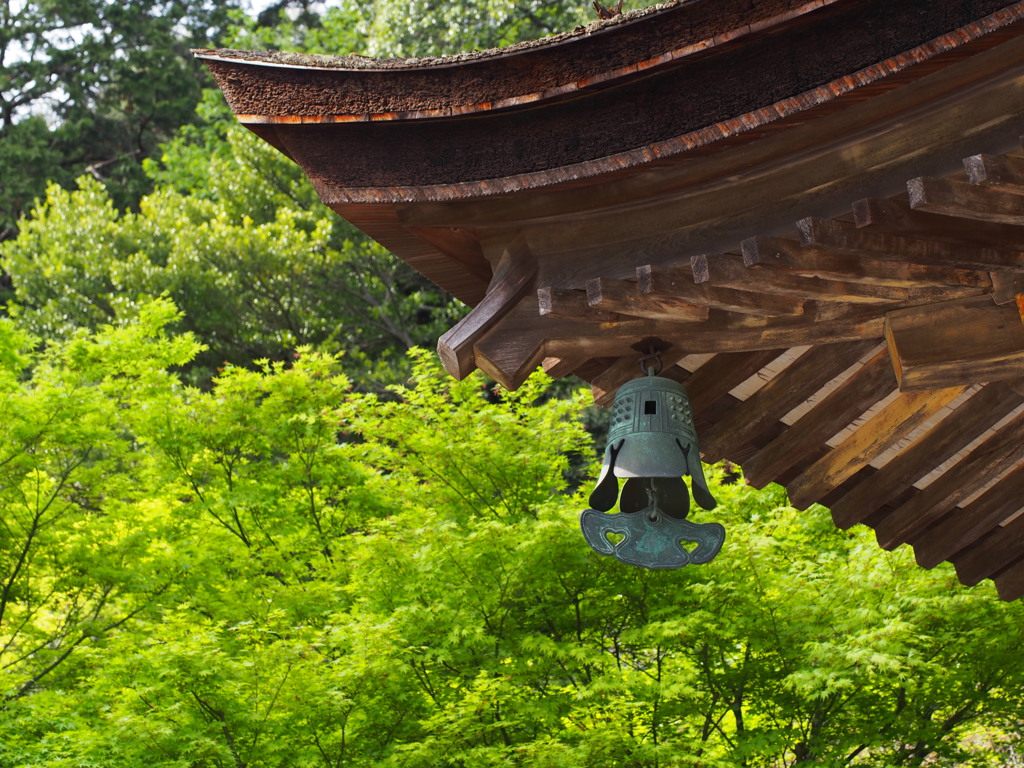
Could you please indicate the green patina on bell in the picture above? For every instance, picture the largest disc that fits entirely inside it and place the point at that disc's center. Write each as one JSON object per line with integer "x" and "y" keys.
{"x": 652, "y": 444}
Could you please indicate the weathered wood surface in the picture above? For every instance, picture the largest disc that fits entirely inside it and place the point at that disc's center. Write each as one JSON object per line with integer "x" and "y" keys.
{"x": 967, "y": 524}
{"x": 933, "y": 448}
{"x": 921, "y": 256}
{"x": 566, "y": 302}
{"x": 998, "y": 455}
{"x": 798, "y": 381}
{"x": 513, "y": 277}
{"x": 965, "y": 201}
{"x": 904, "y": 414}
{"x": 624, "y": 297}
{"x": 726, "y": 271}
{"x": 828, "y": 260}
{"x": 991, "y": 554}
{"x": 672, "y": 287}
{"x": 955, "y": 343}
{"x": 867, "y": 386}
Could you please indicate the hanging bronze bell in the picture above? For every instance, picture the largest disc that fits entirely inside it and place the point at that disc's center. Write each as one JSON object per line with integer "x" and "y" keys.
{"x": 652, "y": 444}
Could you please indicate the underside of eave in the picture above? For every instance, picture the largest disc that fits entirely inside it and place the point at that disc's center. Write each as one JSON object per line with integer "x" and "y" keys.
{"x": 841, "y": 297}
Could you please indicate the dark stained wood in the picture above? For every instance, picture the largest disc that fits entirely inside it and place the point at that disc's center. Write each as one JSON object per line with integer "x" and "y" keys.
{"x": 996, "y": 170}
{"x": 991, "y": 554}
{"x": 964, "y": 526}
{"x": 870, "y": 384}
{"x": 566, "y": 302}
{"x": 511, "y": 350}
{"x": 509, "y": 358}
{"x": 965, "y": 201}
{"x": 897, "y": 217}
{"x": 759, "y": 413}
{"x": 559, "y": 367}
{"x": 724, "y": 372}
{"x": 955, "y": 343}
{"x": 904, "y": 414}
{"x": 728, "y": 271}
{"x": 674, "y": 287}
{"x": 1010, "y": 583}
{"x": 513, "y": 277}
{"x": 624, "y": 297}
{"x": 921, "y": 257}
{"x": 995, "y": 457}
{"x": 936, "y": 446}
{"x": 1008, "y": 286}
{"x": 890, "y": 268}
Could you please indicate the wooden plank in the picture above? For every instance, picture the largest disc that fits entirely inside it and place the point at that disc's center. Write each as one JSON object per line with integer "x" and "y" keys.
{"x": 565, "y": 302}
{"x": 1010, "y": 583}
{"x": 955, "y": 343}
{"x": 896, "y": 216}
{"x": 513, "y": 277}
{"x": 991, "y": 554}
{"x": 1008, "y": 286}
{"x": 624, "y": 297}
{"x": 967, "y": 525}
{"x": 727, "y": 271}
{"x": 758, "y": 413}
{"x": 1003, "y": 171}
{"x": 670, "y": 287}
{"x": 560, "y": 367}
{"x": 510, "y": 351}
{"x": 952, "y": 263}
{"x": 834, "y": 264}
{"x": 1000, "y": 453}
{"x": 937, "y": 445}
{"x": 875, "y": 436}
{"x": 965, "y": 201}
{"x": 873, "y": 382}
{"x": 724, "y": 372}
{"x": 627, "y": 368}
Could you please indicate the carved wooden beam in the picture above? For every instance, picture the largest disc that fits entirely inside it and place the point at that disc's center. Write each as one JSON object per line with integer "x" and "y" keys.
{"x": 965, "y": 201}
{"x": 965, "y": 341}
{"x": 996, "y": 170}
{"x": 565, "y": 302}
{"x": 670, "y": 287}
{"x": 929, "y": 260}
{"x": 723, "y": 270}
{"x": 624, "y": 297}
{"x": 834, "y": 262}
{"x": 513, "y": 277}
{"x": 897, "y": 217}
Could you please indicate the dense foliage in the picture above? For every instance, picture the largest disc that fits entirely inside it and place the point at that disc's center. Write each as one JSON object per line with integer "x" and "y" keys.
{"x": 280, "y": 572}
{"x": 225, "y": 542}
{"x": 93, "y": 86}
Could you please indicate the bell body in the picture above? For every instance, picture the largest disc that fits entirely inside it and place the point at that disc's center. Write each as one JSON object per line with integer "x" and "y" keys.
{"x": 653, "y": 418}
{"x": 652, "y": 442}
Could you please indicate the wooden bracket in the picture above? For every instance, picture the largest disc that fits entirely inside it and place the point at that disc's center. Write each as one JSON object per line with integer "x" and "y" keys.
{"x": 956, "y": 343}
{"x": 514, "y": 276}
